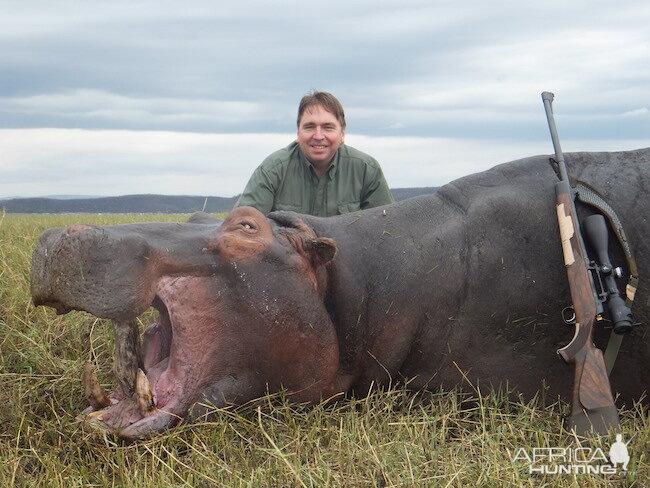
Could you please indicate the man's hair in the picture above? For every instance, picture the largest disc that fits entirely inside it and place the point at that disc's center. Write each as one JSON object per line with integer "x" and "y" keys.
{"x": 327, "y": 101}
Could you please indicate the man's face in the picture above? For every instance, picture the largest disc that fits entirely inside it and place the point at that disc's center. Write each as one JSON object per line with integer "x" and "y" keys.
{"x": 319, "y": 135}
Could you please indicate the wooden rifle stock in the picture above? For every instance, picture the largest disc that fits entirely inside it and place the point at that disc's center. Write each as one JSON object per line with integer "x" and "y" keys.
{"x": 592, "y": 404}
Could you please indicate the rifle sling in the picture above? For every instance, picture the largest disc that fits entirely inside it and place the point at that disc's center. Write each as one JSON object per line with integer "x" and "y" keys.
{"x": 611, "y": 351}
{"x": 590, "y": 196}
{"x": 586, "y": 194}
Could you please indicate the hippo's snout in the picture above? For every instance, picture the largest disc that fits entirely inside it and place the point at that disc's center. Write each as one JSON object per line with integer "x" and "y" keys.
{"x": 112, "y": 272}
{"x": 90, "y": 268}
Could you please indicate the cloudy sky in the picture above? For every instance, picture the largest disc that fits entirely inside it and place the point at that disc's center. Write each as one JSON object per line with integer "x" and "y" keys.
{"x": 123, "y": 97}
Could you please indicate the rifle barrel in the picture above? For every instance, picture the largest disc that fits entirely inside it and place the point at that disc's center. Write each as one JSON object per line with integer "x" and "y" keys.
{"x": 547, "y": 98}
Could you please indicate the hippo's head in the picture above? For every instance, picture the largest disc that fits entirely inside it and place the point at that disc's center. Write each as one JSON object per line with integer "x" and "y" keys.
{"x": 240, "y": 312}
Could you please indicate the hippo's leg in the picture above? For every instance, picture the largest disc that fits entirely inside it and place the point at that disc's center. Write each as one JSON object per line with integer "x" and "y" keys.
{"x": 128, "y": 355}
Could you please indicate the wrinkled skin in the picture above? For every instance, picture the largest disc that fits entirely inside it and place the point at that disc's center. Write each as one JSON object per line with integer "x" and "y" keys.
{"x": 465, "y": 285}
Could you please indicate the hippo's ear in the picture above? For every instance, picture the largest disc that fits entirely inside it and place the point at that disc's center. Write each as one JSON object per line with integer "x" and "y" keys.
{"x": 321, "y": 250}
{"x": 317, "y": 250}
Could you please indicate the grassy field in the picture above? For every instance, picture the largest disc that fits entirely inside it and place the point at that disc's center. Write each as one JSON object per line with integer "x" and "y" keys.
{"x": 391, "y": 438}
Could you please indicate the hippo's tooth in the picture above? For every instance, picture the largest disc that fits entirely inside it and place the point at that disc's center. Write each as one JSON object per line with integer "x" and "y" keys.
{"x": 143, "y": 394}
{"x": 96, "y": 396}
{"x": 95, "y": 416}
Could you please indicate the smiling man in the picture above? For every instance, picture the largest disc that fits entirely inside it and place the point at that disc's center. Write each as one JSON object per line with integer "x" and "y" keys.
{"x": 317, "y": 174}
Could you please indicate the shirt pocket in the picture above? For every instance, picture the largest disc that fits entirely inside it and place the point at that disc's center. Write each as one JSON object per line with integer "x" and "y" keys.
{"x": 349, "y": 207}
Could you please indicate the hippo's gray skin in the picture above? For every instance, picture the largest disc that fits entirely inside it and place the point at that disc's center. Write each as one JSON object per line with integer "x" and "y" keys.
{"x": 465, "y": 285}
{"x": 471, "y": 281}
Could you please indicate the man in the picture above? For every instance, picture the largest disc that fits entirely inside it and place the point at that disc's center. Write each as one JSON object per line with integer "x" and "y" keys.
{"x": 317, "y": 174}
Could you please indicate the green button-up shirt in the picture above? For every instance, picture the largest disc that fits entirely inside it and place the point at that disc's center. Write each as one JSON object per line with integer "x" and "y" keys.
{"x": 286, "y": 181}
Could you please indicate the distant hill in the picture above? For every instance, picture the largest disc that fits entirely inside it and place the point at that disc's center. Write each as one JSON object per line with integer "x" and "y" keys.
{"x": 148, "y": 203}
{"x": 122, "y": 204}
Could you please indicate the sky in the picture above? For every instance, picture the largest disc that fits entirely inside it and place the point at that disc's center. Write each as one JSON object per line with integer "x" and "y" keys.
{"x": 187, "y": 98}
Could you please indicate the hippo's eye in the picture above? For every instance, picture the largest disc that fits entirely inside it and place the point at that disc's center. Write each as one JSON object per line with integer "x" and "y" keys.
{"x": 248, "y": 226}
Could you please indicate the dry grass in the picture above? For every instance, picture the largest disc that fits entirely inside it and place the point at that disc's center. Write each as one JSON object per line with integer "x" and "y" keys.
{"x": 391, "y": 438}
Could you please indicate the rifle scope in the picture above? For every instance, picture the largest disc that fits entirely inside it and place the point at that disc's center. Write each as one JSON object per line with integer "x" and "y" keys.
{"x": 597, "y": 235}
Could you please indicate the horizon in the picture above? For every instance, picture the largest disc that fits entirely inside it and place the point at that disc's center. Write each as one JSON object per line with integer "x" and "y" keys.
{"x": 88, "y": 197}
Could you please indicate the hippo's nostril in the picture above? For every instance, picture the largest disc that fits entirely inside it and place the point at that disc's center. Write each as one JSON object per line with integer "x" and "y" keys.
{"x": 77, "y": 228}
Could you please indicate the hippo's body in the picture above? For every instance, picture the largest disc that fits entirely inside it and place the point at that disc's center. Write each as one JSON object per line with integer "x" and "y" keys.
{"x": 465, "y": 285}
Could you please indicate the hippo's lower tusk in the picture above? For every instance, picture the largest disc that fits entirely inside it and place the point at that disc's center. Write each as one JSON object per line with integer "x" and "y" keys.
{"x": 96, "y": 396}
{"x": 128, "y": 357}
{"x": 96, "y": 416}
{"x": 143, "y": 394}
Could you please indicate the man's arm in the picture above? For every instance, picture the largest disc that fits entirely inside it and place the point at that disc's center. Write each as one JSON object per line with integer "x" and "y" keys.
{"x": 376, "y": 191}
{"x": 259, "y": 192}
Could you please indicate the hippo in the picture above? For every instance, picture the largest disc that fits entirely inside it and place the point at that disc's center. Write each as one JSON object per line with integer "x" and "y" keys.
{"x": 461, "y": 287}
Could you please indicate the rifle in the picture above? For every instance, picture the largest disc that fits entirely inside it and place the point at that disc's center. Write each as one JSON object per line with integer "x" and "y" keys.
{"x": 592, "y": 404}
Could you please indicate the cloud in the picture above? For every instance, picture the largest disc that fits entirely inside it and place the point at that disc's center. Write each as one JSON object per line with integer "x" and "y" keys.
{"x": 639, "y": 112}
{"x": 86, "y": 106}
{"x": 157, "y": 88}
{"x": 112, "y": 162}
{"x": 37, "y": 162}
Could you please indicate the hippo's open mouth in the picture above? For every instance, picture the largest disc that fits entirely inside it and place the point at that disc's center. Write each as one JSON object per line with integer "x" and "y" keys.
{"x": 240, "y": 313}
{"x": 160, "y": 381}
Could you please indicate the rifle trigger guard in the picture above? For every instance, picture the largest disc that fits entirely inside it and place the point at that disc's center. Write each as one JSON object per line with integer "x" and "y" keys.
{"x": 569, "y": 315}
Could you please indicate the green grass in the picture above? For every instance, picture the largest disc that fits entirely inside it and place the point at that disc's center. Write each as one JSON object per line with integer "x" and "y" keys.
{"x": 390, "y": 438}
